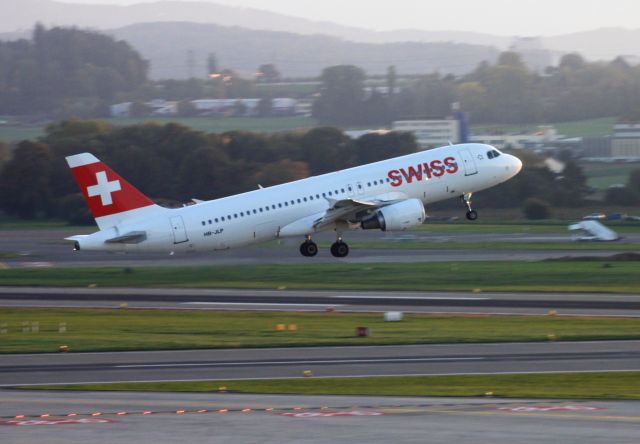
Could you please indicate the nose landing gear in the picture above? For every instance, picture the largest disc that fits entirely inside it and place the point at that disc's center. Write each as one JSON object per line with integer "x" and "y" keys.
{"x": 466, "y": 200}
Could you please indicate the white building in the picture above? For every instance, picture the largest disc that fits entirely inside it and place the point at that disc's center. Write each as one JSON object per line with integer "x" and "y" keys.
{"x": 430, "y": 133}
{"x": 625, "y": 143}
{"x": 544, "y": 136}
{"x": 120, "y": 109}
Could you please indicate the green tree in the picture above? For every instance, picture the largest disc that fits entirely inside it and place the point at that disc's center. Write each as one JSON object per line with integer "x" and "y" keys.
{"x": 327, "y": 149}
{"x": 375, "y": 147}
{"x": 536, "y": 209}
{"x": 634, "y": 181}
{"x": 24, "y": 182}
{"x": 341, "y": 96}
{"x": 282, "y": 171}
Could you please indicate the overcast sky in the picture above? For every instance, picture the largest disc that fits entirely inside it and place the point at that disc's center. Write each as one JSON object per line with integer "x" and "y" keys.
{"x": 504, "y": 17}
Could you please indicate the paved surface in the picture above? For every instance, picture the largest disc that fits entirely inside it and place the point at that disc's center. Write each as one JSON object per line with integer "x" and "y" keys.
{"x": 306, "y": 419}
{"x": 322, "y": 361}
{"x": 47, "y": 248}
{"x": 461, "y": 302}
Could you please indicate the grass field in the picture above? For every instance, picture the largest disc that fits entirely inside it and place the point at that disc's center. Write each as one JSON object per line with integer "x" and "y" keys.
{"x": 603, "y": 175}
{"x": 618, "y": 385}
{"x": 122, "y": 329}
{"x": 487, "y": 246}
{"x": 581, "y": 128}
{"x": 556, "y": 276}
{"x": 207, "y": 124}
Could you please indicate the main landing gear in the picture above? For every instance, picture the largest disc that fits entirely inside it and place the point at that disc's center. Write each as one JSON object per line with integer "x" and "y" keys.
{"x": 308, "y": 248}
{"x": 466, "y": 200}
{"x": 338, "y": 249}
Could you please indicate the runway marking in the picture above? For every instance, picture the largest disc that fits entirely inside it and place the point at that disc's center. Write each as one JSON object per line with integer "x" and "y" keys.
{"x": 417, "y": 298}
{"x": 333, "y": 361}
{"x": 45, "y": 422}
{"x": 330, "y": 414}
{"x": 302, "y": 304}
{"x": 551, "y": 408}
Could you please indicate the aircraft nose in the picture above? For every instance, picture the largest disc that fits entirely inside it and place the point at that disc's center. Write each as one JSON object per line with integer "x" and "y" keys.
{"x": 517, "y": 164}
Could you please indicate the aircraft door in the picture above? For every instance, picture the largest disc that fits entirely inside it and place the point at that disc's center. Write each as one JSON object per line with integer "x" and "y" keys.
{"x": 179, "y": 230}
{"x": 469, "y": 163}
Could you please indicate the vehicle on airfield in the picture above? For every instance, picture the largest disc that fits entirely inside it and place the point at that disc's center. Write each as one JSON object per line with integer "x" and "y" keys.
{"x": 389, "y": 195}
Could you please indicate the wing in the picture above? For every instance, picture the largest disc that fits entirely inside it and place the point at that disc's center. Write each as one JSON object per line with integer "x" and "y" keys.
{"x": 354, "y": 210}
{"x": 349, "y": 211}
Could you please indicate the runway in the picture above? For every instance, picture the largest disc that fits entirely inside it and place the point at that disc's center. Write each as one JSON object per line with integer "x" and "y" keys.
{"x": 232, "y": 299}
{"x": 38, "y": 248}
{"x": 170, "y": 417}
{"x": 322, "y": 361}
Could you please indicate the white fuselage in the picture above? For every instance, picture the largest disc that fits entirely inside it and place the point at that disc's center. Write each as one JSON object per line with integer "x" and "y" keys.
{"x": 259, "y": 215}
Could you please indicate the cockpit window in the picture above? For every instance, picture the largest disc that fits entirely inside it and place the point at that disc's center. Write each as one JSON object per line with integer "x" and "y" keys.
{"x": 493, "y": 154}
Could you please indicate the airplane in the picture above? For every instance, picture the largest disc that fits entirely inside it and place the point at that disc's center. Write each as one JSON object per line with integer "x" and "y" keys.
{"x": 389, "y": 195}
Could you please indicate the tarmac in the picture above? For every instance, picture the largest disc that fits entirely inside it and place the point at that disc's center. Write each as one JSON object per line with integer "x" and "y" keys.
{"x": 292, "y": 362}
{"x": 109, "y": 417}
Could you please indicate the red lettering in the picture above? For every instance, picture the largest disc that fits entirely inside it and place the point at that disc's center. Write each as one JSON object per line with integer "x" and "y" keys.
{"x": 452, "y": 166}
{"x": 438, "y": 169}
{"x": 427, "y": 170}
{"x": 414, "y": 172}
{"x": 396, "y": 179}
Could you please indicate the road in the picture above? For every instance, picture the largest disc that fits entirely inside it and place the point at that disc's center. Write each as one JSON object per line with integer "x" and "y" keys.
{"x": 322, "y": 361}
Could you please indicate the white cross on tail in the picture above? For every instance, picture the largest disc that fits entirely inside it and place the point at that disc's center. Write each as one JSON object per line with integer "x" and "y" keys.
{"x": 104, "y": 188}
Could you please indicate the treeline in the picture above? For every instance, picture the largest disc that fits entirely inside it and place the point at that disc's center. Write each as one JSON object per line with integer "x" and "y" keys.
{"x": 66, "y": 71}
{"x": 505, "y": 92}
{"x": 173, "y": 164}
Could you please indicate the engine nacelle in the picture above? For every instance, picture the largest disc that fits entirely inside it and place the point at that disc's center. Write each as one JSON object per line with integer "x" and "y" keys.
{"x": 396, "y": 217}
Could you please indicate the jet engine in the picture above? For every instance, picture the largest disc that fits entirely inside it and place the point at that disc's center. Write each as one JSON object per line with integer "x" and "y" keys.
{"x": 396, "y": 217}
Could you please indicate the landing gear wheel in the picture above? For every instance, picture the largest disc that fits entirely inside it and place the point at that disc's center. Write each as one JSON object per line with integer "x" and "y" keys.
{"x": 339, "y": 249}
{"x": 466, "y": 200}
{"x": 308, "y": 248}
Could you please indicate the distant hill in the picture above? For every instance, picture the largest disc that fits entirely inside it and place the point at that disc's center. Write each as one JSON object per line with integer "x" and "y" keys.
{"x": 604, "y": 44}
{"x": 166, "y": 46}
{"x": 25, "y": 13}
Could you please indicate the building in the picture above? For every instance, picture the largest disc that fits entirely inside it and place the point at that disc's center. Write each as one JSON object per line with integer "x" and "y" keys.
{"x": 625, "y": 143}
{"x": 545, "y": 135}
{"x": 431, "y": 133}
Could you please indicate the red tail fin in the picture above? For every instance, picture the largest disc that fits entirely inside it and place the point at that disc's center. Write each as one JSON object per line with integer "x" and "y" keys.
{"x": 105, "y": 191}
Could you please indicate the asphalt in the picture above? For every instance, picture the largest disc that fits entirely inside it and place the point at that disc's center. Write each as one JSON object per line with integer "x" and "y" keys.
{"x": 47, "y": 248}
{"x": 228, "y": 418}
{"x": 321, "y": 361}
{"x": 230, "y": 299}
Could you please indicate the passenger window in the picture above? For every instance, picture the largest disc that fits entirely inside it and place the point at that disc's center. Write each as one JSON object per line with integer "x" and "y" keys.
{"x": 317, "y": 196}
{"x": 209, "y": 221}
{"x": 304, "y": 198}
{"x": 254, "y": 211}
{"x": 203, "y": 223}
{"x": 310, "y": 197}
{"x": 223, "y": 218}
{"x": 216, "y": 219}
{"x": 279, "y": 205}
{"x": 286, "y": 204}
